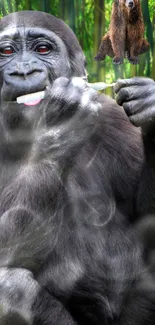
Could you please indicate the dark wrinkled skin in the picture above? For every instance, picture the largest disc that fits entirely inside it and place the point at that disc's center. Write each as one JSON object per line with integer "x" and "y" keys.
{"x": 137, "y": 97}
{"x": 76, "y": 178}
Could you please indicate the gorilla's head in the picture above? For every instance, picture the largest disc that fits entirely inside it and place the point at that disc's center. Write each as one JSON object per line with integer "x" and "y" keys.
{"x": 35, "y": 49}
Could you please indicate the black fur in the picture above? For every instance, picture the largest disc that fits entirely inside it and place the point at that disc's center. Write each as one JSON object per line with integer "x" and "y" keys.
{"x": 73, "y": 175}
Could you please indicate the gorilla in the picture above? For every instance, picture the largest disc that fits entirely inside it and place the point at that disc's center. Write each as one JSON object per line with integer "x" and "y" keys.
{"x": 77, "y": 174}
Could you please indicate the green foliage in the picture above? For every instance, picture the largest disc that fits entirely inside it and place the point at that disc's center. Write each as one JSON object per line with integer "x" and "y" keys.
{"x": 152, "y": 9}
{"x": 90, "y": 20}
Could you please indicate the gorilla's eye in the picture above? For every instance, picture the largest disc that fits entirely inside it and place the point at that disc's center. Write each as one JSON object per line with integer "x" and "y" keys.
{"x": 8, "y": 50}
{"x": 43, "y": 49}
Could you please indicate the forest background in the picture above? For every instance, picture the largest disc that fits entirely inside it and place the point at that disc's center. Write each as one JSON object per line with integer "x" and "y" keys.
{"x": 90, "y": 20}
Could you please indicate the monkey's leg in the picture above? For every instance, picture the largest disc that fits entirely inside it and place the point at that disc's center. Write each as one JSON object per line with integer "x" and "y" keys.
{"x": 118, "y": 44}
{"x": 105, "y": 48}
{"x": 144, "y": 48}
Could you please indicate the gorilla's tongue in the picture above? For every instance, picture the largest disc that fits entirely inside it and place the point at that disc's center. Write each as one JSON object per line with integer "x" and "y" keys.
{"x": 33, "y": 103}
{"x": 31, "y": 99}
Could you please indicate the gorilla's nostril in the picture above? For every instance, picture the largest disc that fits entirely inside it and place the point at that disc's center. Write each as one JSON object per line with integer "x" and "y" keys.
{"x": 34, "y": 73}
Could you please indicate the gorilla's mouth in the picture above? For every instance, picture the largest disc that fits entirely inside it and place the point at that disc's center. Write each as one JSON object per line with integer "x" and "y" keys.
{"x": 31, "y": 99}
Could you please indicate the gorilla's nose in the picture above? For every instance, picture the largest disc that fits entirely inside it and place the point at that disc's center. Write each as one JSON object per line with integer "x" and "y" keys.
{"x": 24, "y": 69}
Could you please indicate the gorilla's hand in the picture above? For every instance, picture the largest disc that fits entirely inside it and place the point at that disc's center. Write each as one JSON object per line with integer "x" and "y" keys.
{"x": 18, "y": 291}
{"x": 137, "y": 96}
{"x": 69, "y": 98}
{"x": 71, "y": 111}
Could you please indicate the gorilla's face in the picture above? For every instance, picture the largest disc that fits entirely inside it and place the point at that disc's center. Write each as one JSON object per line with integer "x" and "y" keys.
{"x": 35, "y": 49}
{"x": 30, "y": 59}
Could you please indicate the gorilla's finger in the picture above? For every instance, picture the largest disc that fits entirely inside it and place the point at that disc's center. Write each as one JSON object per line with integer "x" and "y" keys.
{"x": 136, "y": 81}
{"x": 136, "y": 106}
{"x": 126, "y": 94}
{"x": 59, "y": 83}
{"x": 119, "y": 84}
{"x": 139, "y": 81}
{"x": 141, "y": 118}
{"x": 79, "y": 82}
{"x": 134, "y": 92}
{"x": 89, "y": 101}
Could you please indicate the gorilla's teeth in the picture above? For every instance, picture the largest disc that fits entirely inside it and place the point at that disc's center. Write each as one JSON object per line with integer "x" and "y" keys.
{"x": 31, "y": 97}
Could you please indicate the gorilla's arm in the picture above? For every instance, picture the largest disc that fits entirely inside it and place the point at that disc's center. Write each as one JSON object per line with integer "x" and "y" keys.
{"x": 70, "y": 119}
{"x": 137, "y": 96}
{"x": 71, "y": 116}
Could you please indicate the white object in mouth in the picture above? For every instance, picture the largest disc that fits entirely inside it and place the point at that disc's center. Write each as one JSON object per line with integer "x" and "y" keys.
{"x": 30, "y": 98}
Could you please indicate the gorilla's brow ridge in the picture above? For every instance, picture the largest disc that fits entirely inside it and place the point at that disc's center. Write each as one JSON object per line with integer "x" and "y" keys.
{"x": 34, "y": 34}
{"x": 10, "y": 34}
{"x": 29, "y": 34}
